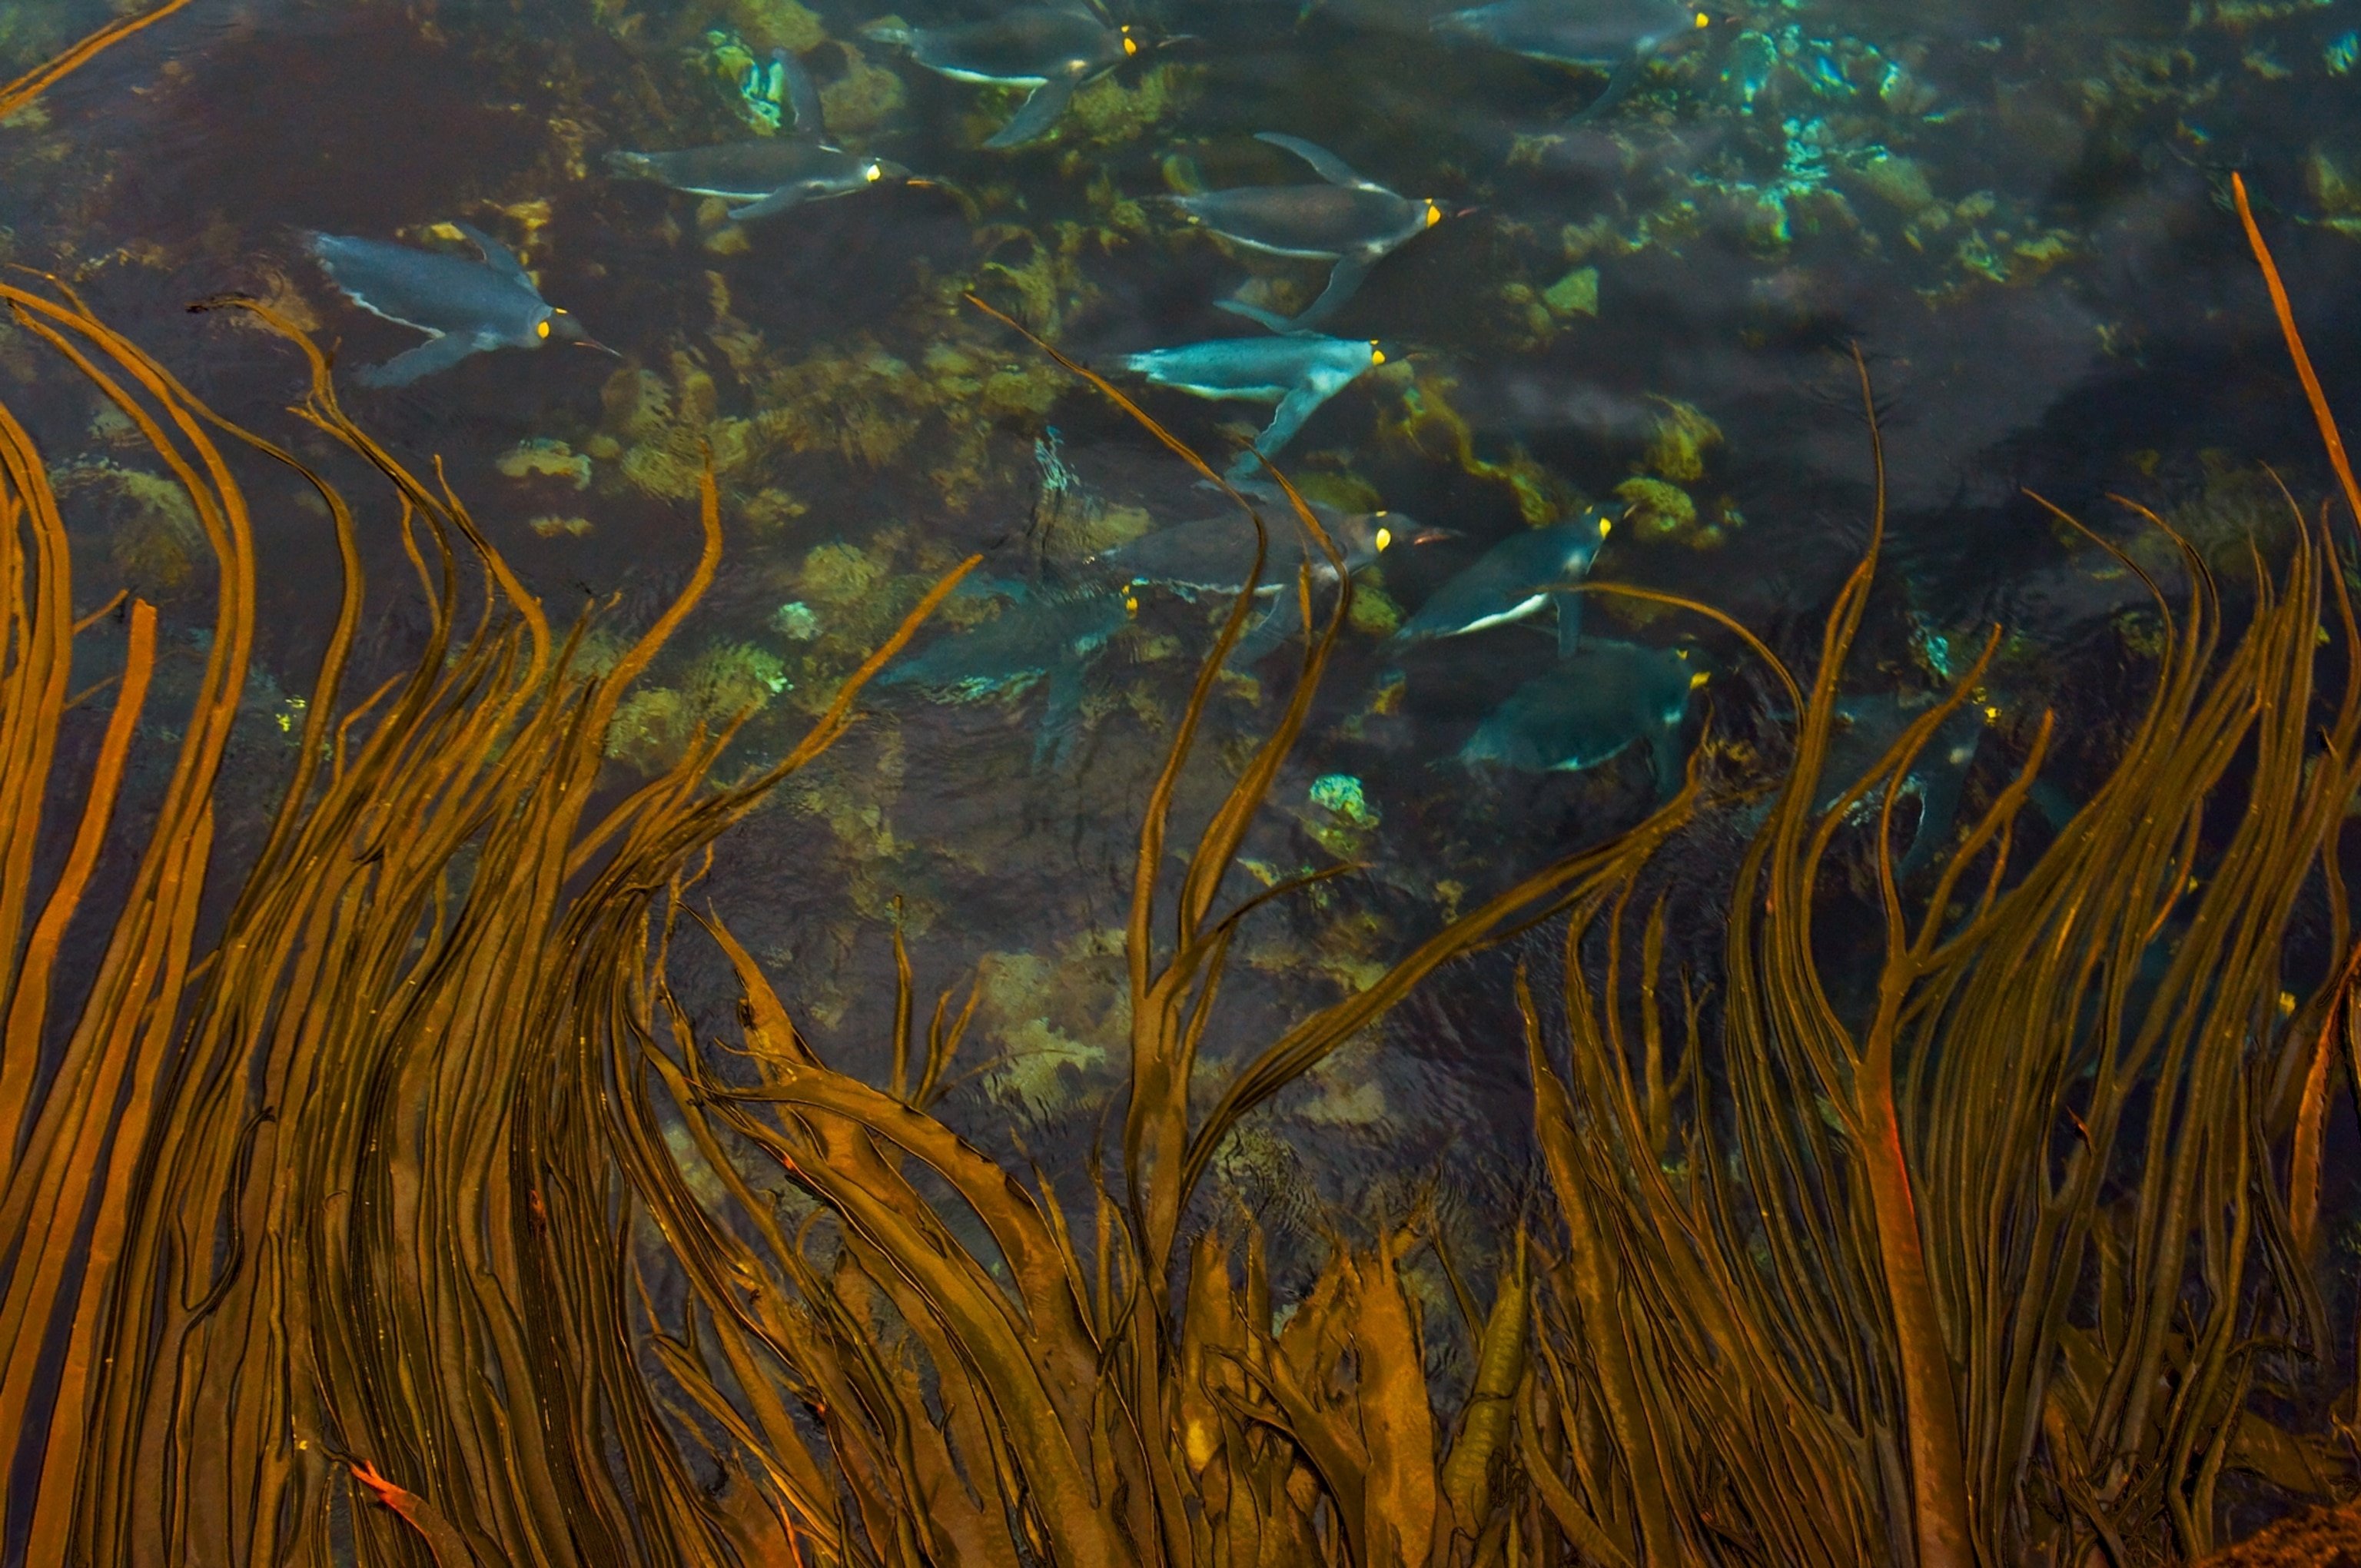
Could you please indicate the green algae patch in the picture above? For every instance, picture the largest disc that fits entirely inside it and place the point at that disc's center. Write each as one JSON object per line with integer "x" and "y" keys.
{"x": 543, "y": 456}
{"x": 1576, "y": 294}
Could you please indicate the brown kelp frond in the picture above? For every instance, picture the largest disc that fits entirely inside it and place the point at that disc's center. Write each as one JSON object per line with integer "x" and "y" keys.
{"x": 1974, "y": 1255}
{"x": 17, "y": 94}
{"x": 323, "y": 1203}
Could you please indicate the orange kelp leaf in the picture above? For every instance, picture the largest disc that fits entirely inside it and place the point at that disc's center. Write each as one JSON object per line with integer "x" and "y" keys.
{"x": 2330, "y": 436}
{"x": 1500, "y": 1369}
{"x": 450, "y": 1551}
{"x": 1397, "y": 1423}
{"x": 15, "y": 94}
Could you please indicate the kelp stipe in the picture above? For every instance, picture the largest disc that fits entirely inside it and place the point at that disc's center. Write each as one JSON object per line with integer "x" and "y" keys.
{"x": 885, "y": 1384}
{"x": 1986, "y": 1273}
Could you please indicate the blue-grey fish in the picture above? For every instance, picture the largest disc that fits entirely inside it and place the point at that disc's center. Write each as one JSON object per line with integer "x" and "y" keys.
{"x": 1353, "y": 222}
{"x": 1298, "y": 372}
{"x": 1618, "y": 36}
{"x": 1514, "y": 579}
{"x": 464, "y": 307}
{"x": 1593, "y": 704}
{"x": 1053, "y": 49}
{"x": 769, "y": 174}
{"x": 1938, "y": 775}
{"x": 1052, "y": 636}
{"x": 1212, "y": 555}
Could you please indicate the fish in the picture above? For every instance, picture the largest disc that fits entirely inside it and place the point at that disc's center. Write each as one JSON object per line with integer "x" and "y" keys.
{"x": 1055, "y": 637}
{"x": 1514, "y": 579}
{"x": 768, "y": 175}
{"x": 1297, "y": 371}
{"x": 1592, "y": 705}
{"x": 1053, "y": 49}
{"x": 464, "y": 307}
{"x": 1937, "y": 776}
{"x": 1619, "y": 37}
{"x": 1349, "y": 220}
{"x": 1212, "y": 556}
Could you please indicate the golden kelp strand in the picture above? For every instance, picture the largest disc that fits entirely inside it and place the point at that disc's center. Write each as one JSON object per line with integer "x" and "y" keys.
{"x": 18, "y": 94}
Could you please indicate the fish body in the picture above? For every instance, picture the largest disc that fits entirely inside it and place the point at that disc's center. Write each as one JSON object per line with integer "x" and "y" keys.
{"x": 1298, "y": 372}
{"x": 1513, "y": 579}
{"x": 769, "y": 175}
{"x": 1591, "y": 706}
{"x": 1053, "y": 49}
{"x": 464, "y": 307}
{"x": 1353, "y": 222}
{"x": 1052, "y": 637}
{"x": 1937, "y": 776}
{"x": 1573, "y": 32}
{"x": 1212, "y": 554}
{"x": 1620, "y": 37}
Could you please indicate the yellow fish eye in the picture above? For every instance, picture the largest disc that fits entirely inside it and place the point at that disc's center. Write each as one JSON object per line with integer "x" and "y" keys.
{"x": 1385, "y": 537}
{"x": 1704, "y": 20}
{"x": 541, "y": 329}
{"x": 1130, "y": 602}
{"x": 872, "y": 174}
{"x": 1433, "y": 214}
{"x": 1130, "y": 44}
{"x": 1605, "y": 526}
{"x": 1698, "y": 679}
{"x": 1376, "y": 355}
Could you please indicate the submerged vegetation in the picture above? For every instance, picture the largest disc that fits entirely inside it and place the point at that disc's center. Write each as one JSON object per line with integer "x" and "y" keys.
{"x": 391, "y": 1205}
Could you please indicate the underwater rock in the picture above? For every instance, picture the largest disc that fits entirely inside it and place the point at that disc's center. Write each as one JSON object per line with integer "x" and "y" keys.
{"x": 464, "y": 307}
{"x": 1592, "y": 706}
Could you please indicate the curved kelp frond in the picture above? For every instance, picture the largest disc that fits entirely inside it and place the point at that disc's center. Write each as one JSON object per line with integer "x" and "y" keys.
{"x": 276, "y": 1222}
{"x": 1981, "y": 1262}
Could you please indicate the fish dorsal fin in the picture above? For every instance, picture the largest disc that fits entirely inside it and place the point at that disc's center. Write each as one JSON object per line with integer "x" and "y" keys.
{"x": 802, "y": 95}
{"x": 499, "y": 257}
{"x": 1326, "y": 164}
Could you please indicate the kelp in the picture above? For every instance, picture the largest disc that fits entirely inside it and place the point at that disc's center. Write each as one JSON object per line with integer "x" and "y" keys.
{"x": 917, "y": 1358}
{"x": 272, "y": 1214}
{"x": 1983, "y": 1260}
{"x": 20, "y": 93}
{"x": 390, "y": 1207}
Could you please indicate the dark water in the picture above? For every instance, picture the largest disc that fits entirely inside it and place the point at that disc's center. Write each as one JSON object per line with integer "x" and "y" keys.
{"x": 2017, "y": 213}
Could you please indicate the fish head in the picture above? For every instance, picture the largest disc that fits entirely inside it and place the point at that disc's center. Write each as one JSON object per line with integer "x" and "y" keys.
{"x": 561, "y": 326}
{"x": 883, "y": 170}
{"x": 1127, "y": 39}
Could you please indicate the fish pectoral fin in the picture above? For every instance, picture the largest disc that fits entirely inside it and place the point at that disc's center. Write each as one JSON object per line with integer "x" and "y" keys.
{"x": 498, "y": 256}
{"x": 1282, "y": 620}
{"x": 1061, "y": 717}
{"x": 772, "y": 206}
{"x": 1620, "y": 82}
{"x": 1040, "y": 111}
{"x": 802, "y": 95}
{"x": 1326, "y": 164}
{"x": 1294, "y": 410}
{"x": 1256, "y": 314}
{"x": 1569, "y": 623}
{"x": 437, "y": 352}
{"x": 1345, "y": 281}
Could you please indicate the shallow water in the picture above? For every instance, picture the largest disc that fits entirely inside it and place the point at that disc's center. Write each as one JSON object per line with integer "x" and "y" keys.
{"x": 2017, "y": 213}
